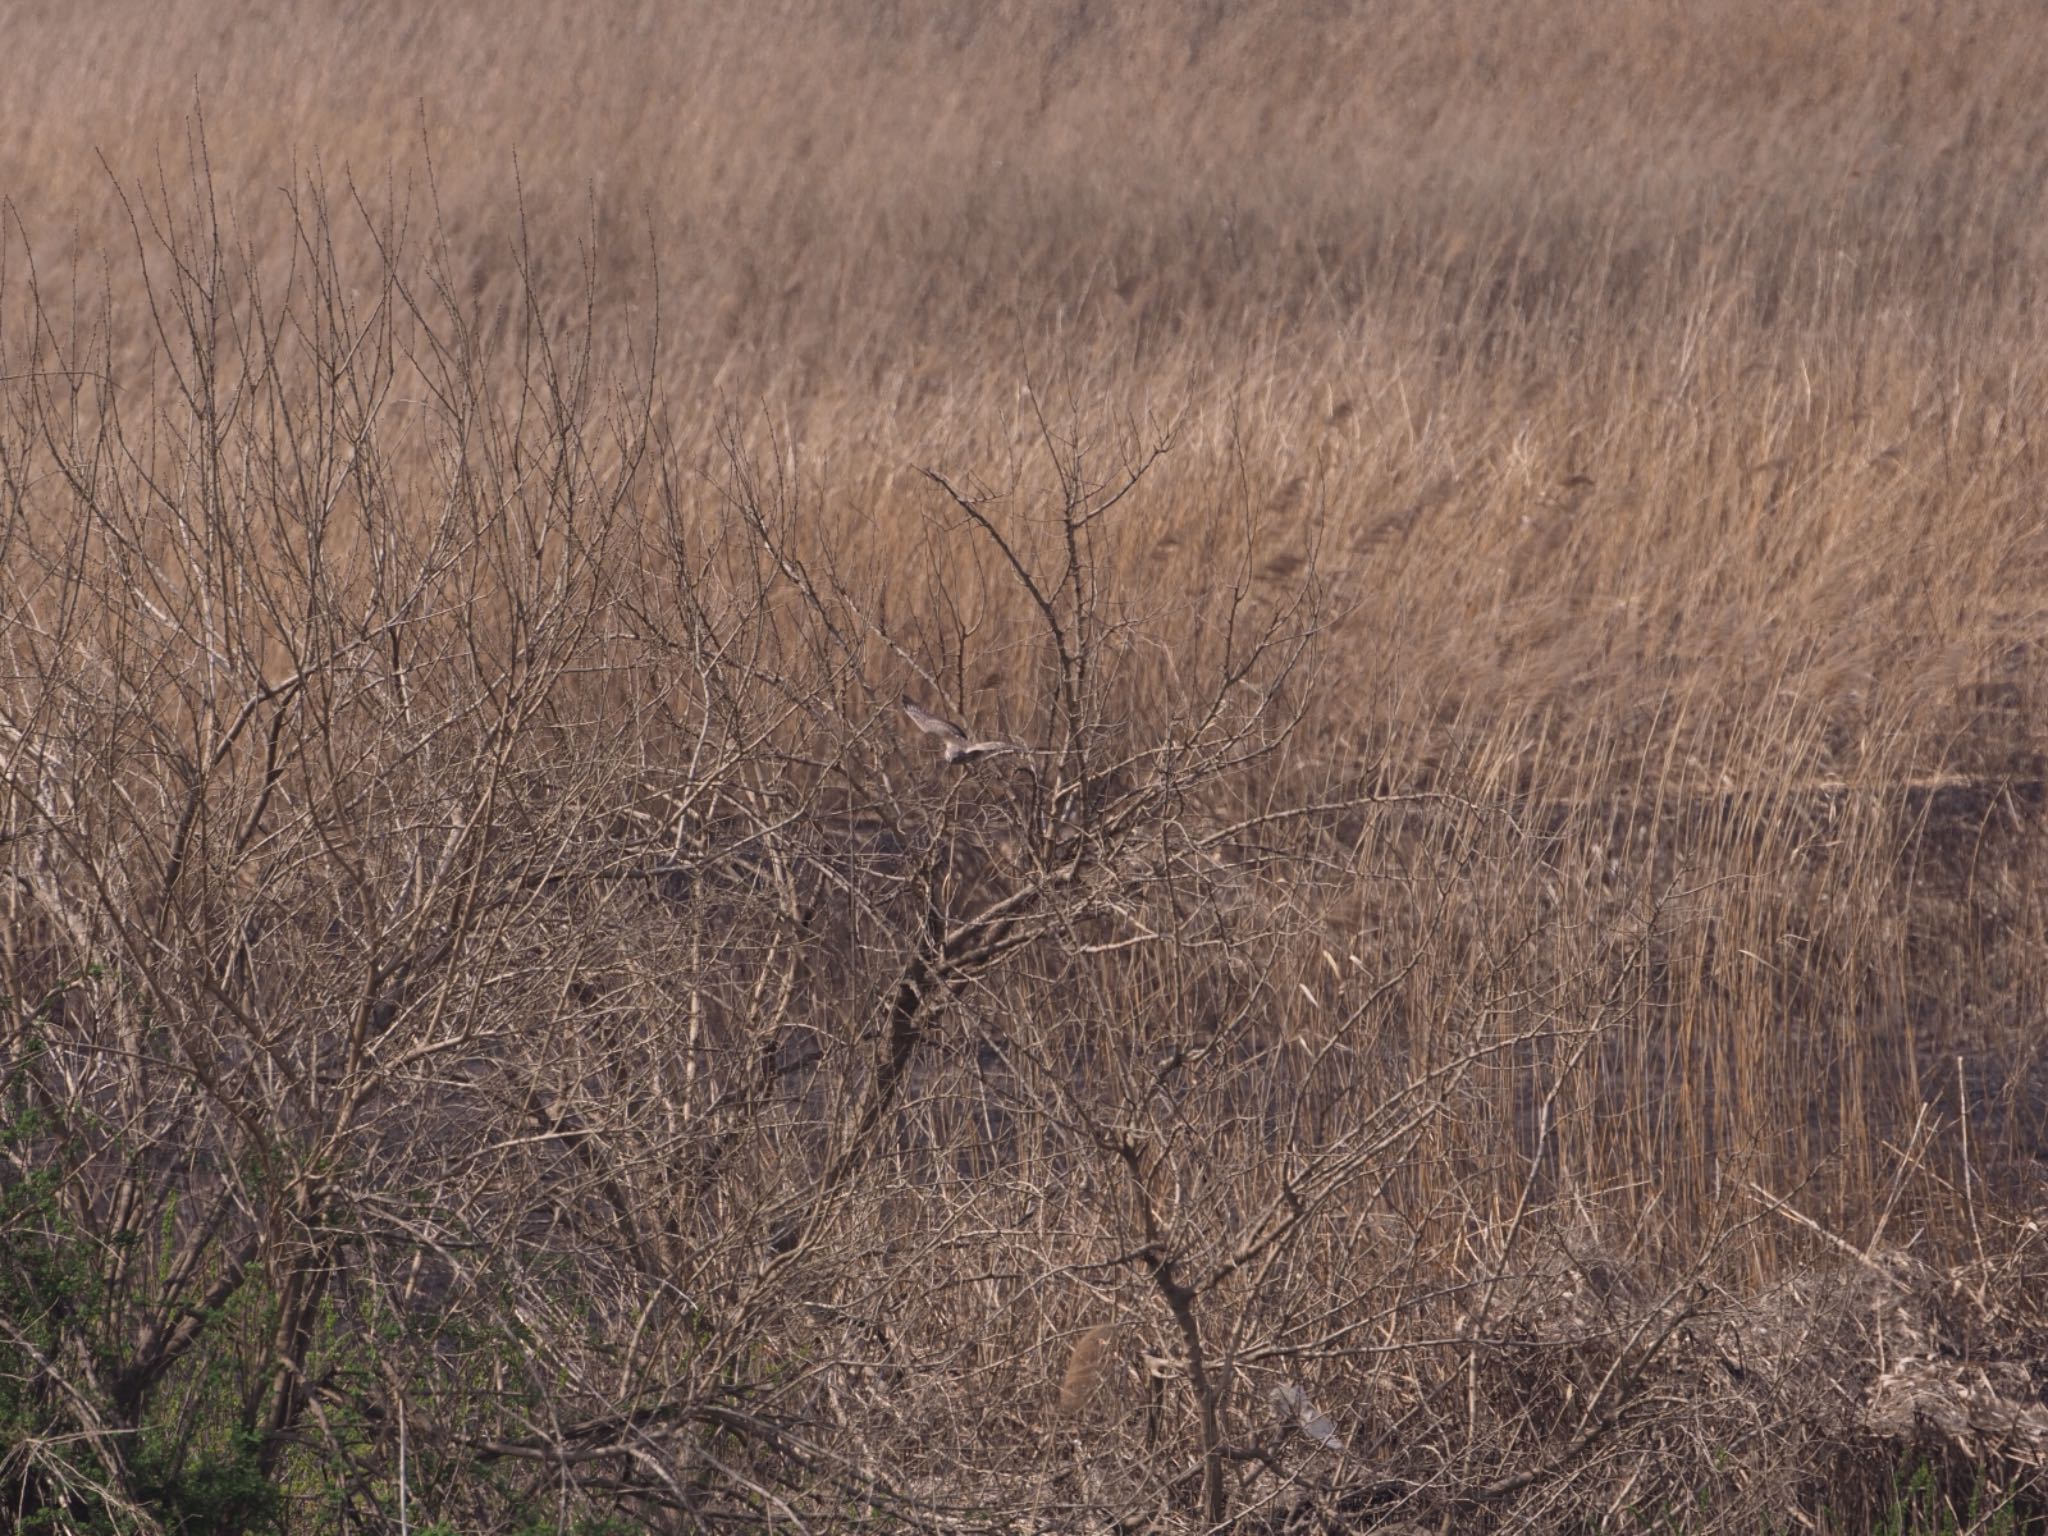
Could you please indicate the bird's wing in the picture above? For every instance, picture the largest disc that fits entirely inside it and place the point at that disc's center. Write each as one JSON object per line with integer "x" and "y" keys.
{"x": 967, "y": 750}
{"x": 1309, "y": 1419}
{"x": 932, "y": 724}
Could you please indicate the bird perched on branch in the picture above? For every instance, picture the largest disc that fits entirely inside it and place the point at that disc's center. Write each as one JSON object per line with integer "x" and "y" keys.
{"x": 954, "y": 741}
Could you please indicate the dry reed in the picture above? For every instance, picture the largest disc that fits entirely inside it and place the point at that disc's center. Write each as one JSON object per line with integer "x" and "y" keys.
{"x": 1512, "y": 525}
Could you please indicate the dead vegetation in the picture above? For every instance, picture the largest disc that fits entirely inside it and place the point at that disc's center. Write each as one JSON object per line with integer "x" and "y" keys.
{"x": 1455, "y": 941}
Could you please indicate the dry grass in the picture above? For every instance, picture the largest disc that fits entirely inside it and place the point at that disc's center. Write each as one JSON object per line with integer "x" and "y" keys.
{"x": 1542, "y": 942}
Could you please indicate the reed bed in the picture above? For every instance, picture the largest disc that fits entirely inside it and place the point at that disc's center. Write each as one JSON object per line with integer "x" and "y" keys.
{"x": 1502, "y": 991}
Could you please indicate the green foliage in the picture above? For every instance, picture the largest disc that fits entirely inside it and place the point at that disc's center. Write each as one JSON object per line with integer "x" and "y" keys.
{"x": 585, "y": 1525}
{"x": 222, "y": 1489}
{"x": 49, "y": 1287}
{"x": 1925, "y": 1505}
{"x": 199, "y": 1475}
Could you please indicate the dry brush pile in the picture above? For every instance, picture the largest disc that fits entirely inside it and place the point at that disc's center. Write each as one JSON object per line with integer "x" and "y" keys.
{"x": 1450, "y": 937}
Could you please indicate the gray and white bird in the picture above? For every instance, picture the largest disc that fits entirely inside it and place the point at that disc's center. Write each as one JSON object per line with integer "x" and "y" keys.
{"x": 954, "y": 742}
{"x": 1293, "y": 1404}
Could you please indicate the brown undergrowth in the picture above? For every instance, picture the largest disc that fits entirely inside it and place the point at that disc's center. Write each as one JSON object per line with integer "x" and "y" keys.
{"x": 1499, "y": 987}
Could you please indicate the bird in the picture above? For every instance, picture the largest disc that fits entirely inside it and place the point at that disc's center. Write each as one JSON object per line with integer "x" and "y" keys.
{"x": 953, "y": 740}
{"x": 1292, "y": 1403}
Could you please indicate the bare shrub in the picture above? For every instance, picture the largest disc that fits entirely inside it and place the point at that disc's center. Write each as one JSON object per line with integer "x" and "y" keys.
{"x": 1447, "y": 940}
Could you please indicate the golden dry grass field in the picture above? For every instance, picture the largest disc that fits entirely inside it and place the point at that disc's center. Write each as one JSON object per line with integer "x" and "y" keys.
{"x": 1504, "y": 989}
